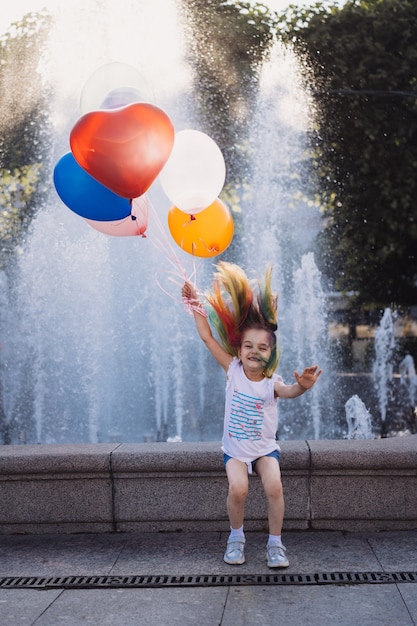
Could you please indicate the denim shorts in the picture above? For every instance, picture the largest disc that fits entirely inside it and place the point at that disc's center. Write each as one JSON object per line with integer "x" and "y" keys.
{"x": 275, "y": 453}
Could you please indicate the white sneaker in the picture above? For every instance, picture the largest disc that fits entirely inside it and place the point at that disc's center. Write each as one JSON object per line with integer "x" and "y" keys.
{"x": 275, "y": 555}
{"x": 234, "y": 554}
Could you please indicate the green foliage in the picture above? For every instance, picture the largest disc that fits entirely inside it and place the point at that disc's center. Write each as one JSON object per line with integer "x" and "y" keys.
{"x": 17, "y": 189}
{"x": 23, "y": 128}
{"x": 364, "y": 148}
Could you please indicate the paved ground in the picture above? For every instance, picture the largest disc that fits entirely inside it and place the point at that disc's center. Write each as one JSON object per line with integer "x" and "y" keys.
{"x": 135, "y": 579}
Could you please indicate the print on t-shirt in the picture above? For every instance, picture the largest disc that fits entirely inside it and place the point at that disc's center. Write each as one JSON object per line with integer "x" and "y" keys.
{"x": 246, "y": 417}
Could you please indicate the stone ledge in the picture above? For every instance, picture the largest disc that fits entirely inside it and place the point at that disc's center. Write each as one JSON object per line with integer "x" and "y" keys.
{"x": 55, "y": 458}
{"x": 394, "y": 452}
{"x": 334, "y": 484}
{"x": 364, "y": 486}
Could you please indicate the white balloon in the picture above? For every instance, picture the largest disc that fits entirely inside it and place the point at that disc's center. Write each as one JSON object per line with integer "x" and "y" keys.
{"x": 194, "y": 174}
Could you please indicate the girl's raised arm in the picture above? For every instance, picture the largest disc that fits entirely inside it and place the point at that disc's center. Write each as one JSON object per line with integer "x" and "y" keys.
{"x": 304, "y": 382}
{"x": 224, "y": 359}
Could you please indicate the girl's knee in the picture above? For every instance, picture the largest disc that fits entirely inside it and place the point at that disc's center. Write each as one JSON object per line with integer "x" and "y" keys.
{"x": 238, "y": 491}
{"x": 237, "y": 476}
{"x": 274, "y": 490}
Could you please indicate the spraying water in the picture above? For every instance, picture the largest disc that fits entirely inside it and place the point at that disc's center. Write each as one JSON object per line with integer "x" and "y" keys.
{"x": 358, "y": 419}
{"x": 91, "y": 343}
{"x": 270, "y": 234}
{"x": 278, "y": 135}
{"x": 383, "y": 367}
{"x": 409, "y": 378}
{"x": 92, "y": 349}
{"x": 308, "y": 313}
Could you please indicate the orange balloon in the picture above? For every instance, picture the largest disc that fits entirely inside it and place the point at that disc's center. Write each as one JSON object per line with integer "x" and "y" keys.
{"x": 124, "y": 149}
{"x": 205, "y": 234}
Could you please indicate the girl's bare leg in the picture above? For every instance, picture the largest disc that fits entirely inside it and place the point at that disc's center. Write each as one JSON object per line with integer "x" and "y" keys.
{"x": 237, "y": 475}
{"x": 269, "y": 472}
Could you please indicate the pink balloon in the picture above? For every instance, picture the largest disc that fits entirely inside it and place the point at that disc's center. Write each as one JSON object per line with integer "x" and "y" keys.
{"x": 131, "y": 226}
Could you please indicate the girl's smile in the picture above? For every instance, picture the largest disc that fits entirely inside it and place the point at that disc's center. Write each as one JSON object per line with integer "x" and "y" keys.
{"x": 255, "y": 352}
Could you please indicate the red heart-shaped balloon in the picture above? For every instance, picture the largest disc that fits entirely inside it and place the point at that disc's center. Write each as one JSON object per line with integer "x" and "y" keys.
{"x": 124, "y": 149}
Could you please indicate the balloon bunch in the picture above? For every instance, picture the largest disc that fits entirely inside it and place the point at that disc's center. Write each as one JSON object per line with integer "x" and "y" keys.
{"x": 120, "y": 145}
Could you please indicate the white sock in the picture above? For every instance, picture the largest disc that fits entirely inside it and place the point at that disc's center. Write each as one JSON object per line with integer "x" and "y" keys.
{"x": 275, "y": 539}
{"x": 236, "y": 532}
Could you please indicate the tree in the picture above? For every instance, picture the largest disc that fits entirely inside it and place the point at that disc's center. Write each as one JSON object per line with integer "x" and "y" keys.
{"x": 364, "y": 148}
{"x": 227, "y": 42}
{"x": 23, "y": 128}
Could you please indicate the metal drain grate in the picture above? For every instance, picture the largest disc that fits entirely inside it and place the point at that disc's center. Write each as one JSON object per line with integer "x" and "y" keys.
{"x": 211, "y": 580}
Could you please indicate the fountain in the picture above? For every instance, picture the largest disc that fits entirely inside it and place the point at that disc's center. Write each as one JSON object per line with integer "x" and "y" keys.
{"x": 409, "y": 378}
{"x": 408, "y": 388}
{"x": 358, "y": 418}
{"x": 393, "y": 396}
{"x": 383, "y": 367}
{"x": 93, "y": 349}
{"x": 269, "y": 217}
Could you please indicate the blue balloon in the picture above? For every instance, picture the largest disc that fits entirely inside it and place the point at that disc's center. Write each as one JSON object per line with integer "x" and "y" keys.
{"x": 86, "y": 196}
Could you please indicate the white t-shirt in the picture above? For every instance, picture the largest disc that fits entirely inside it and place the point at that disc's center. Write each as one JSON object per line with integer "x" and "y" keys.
{"x": 250, "y": 418}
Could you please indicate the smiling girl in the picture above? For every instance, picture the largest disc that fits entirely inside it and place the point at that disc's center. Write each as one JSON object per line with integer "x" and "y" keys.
{"x": 245, "y": 319}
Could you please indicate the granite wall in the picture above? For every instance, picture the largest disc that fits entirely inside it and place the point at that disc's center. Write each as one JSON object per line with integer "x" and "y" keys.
{"x": 329, "y": 484}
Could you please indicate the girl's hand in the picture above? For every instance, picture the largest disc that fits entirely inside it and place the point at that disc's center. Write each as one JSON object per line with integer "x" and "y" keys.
{"x": 188, "y": 292}
{"x": 308, "y": 378}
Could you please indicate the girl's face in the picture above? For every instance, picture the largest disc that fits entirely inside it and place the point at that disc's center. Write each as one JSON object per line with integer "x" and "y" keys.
{"x": 255, "y": 351}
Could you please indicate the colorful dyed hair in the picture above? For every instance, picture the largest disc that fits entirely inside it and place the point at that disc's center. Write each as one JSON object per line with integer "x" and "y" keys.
{"x": 236, "y": 306}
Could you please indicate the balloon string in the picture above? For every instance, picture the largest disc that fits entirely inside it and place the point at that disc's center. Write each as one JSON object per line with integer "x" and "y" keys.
{"x": 162, "y": 243}
{"x": 178, "y": 275}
